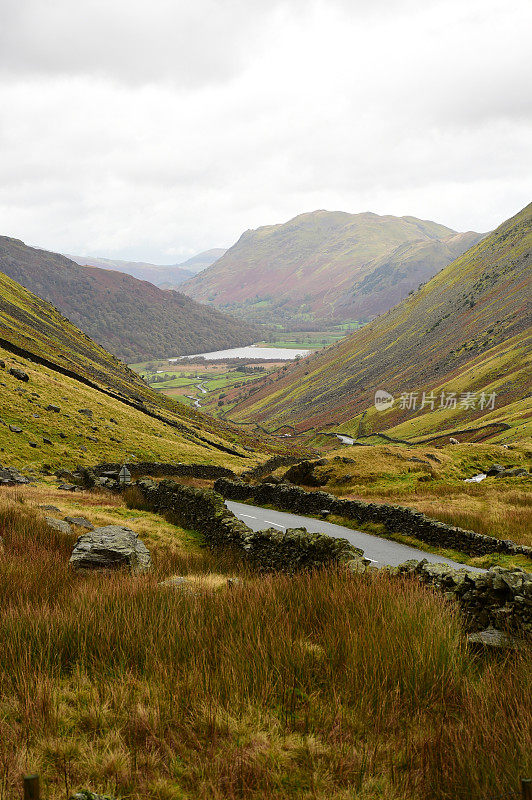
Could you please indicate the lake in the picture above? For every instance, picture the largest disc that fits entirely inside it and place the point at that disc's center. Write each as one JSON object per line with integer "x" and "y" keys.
{"x": 250, "y": 352}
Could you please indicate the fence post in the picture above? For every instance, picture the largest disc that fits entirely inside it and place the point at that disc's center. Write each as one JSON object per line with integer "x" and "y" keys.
{"x": 31, "y": 787}
{"x": 526, "y": 788}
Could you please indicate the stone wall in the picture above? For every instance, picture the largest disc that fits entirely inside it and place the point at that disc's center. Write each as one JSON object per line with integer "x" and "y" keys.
{"x": 255, "y": 473}
{"x": 158, "y": 469}
{"x": 395, "y": 519}
{"x": 204, "y": 511}
{"x": 498, "y": 598}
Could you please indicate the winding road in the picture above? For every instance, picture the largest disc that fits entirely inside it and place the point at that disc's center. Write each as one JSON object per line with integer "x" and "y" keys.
{"x": 382, "y": 552}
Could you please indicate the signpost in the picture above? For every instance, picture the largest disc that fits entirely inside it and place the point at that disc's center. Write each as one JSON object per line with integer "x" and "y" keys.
{"x": 124, "y": 476}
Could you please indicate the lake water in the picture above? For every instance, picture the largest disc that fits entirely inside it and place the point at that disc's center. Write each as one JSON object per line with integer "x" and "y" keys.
{"x": 251, "y": 352}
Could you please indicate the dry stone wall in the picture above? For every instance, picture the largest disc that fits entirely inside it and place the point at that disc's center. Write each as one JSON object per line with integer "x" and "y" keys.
{"x": 270, "y": 550}
{"x": 395, "y": 519}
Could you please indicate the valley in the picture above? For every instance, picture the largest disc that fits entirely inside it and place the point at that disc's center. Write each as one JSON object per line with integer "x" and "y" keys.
{"x": 262, "y": 570}
{"x": 265, "y": 400}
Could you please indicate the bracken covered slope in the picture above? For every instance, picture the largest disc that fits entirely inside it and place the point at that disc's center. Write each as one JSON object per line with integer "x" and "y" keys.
{"x": 131, "y": 318}
{"x": 66, "y": 369}
{"x": 467, "y": 330}
{"x": 327, "y": 265}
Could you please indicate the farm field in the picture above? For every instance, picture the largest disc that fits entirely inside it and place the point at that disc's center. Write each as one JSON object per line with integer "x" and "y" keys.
{"x": 222, "y": 382}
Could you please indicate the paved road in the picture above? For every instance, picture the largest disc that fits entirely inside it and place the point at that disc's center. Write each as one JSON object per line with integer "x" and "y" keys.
{"x": 381, "y": 551}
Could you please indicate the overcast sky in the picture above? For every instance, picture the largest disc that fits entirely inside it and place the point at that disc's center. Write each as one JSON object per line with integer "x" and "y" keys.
{"x": 153, "y": 129}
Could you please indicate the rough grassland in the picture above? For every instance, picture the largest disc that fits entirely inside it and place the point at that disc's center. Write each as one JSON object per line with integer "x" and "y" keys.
{"x": 32, "y": 329}
{"x": 320, "y": 687}
{"x": 119, "y": 430}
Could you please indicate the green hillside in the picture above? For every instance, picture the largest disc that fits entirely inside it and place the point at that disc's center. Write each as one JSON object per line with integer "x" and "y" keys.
{"x": 69, "y": 371}
{"x": 467, "y": 330}
{"x": 327, "y": 266}
{"x": 131, "y": 318}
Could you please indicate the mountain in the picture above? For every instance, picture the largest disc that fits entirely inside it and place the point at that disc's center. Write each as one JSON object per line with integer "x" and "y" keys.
{"x": 131, "y": 318}
{"x": 138, "y": 269}
{"x": 327, "y": 265}
{"x": 466, "y": 330}
{"x": 77, "y": 403}
{"x": 203, "y": 260}
{"x": 166, "y": 276}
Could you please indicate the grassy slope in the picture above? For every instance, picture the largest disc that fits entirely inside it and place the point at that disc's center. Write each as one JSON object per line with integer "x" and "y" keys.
{"x": 129, "y": 317}
{"x": 30, "y": 323}
{"x": 466, "y": 330}
{"x": 316, "y": 687}
{"x": 323, "y": 263}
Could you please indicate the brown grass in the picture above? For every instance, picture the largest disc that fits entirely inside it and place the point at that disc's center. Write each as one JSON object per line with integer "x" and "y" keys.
{"x": 321, "y": 687}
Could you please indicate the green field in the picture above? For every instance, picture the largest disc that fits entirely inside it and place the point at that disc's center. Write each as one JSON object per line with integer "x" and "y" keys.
{"x": 180, "y": 379}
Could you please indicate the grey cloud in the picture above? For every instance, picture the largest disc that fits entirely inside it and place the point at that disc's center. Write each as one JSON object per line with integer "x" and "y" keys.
{"x": 134, "y": 41}
{"x": 147, "y": 135}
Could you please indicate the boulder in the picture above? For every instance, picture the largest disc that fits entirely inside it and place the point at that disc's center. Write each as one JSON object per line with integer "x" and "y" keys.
{"x": 86, "y": 411}
{"x": 51, "y": 407}
{"x": 111, "y": 547}
{"x": 86, "y": 795}
{"x": 175, "y": 582}
{"x": 11, "y": 477}
{"x": 19, "y": 374}
{"x": 491, "y": 638}
{"x": 15, "y": 429}
{"x": 81, "y": 522}
{"x": 58, "y": 524}
{"x": 495, "y": 469}
{"x": 516, "y": 472}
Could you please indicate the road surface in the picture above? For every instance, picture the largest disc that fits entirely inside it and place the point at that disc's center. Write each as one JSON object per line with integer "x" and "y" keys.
{"x": 381, "y": 552}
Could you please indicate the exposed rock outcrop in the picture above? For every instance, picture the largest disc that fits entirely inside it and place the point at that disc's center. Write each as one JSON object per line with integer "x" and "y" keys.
{"x": 111, "y": 547}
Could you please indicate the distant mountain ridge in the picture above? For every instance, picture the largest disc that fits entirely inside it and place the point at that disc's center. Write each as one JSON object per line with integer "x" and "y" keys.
{"x": 320, "y": 265}
{"x": 466, "y": 331}
{"x": 131, "y": 318}
{"x": 166, "y": 276}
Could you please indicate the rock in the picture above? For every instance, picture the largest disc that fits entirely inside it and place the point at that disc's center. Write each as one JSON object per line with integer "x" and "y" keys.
{"x": 32, "y": 444}
{"x": 50, "y": 508}
{"x": 62, "y": 435}
{"x": 495, "y": 639}
{"x": 495, "y": 469}
{"x": 19, "y": 374}
{"x": 15, "y": 429}
{"x": 51, "y": 407}
{"x": 46, "y": 440}
{"x": 453, "y": 441}
{"x": 516, "y": 472}
{"x": 111, "y": 547}
{"x": 92, "y": 438}
{"x": 64, "y": 474}
{"x": 86, "y": 411}
{"x": 58, "y": 524}
{"x": 175, "y": 582}
{"x": 358, "y": 565}
{"x": 86, "y": 795}
{"x": 81, "y": 522}
{"x": 2, "y": 364}
{"x": 11, "y": 477}
{"x": 67, "y": 487}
